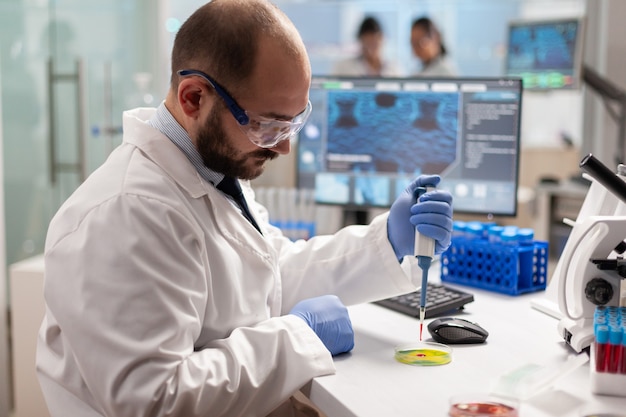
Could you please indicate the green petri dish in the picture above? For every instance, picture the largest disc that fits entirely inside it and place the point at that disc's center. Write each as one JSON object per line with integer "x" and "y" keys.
{"x": 423, "y": 354}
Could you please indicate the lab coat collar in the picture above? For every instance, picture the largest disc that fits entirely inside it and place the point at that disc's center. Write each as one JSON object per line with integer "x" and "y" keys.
{"x": 162, "y": 151}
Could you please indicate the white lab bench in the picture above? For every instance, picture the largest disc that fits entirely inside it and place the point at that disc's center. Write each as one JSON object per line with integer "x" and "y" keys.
{"x": 369, "y": 382}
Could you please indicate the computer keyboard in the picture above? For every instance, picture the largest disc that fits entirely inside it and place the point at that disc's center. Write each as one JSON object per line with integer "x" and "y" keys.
{"x": 440, "y": 299}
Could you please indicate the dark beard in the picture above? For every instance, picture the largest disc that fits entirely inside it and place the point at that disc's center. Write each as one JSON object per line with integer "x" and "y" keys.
{"x": 219, "y": 155}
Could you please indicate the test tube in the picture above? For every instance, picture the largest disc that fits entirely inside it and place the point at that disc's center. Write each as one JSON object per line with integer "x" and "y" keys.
{"x": 272, "y": 207}
{"x": 458, "y": 229}
{"x": 310, "y": 211}
{"x": 615, "y": 349}
{"x": 600, "y": 311}
{"x": 525, "y": 235}
{"x": 509, "y": 236}
{"x": 486, "y": 227}
{"x": 291, "y": 201}
{"x": 602, "y": 347}
{"x": 494, "y": 233}
{"x": 599, "y": 321}
{"x": 474, "y": 230}
{"x": 622, "y": 365}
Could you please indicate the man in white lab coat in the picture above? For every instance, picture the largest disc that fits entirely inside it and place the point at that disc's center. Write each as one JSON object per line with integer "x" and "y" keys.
{"x": 165, "y": 296}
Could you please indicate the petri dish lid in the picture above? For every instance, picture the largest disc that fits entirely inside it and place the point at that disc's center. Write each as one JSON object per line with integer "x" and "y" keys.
{"x": 423, "y": 354}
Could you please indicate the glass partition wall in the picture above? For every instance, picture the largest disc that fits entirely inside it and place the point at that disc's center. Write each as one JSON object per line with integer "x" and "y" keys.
{"x": 68, "y": 69}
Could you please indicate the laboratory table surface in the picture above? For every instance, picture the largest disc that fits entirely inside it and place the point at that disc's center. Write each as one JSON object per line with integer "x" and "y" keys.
{"x": 370, "y": 382}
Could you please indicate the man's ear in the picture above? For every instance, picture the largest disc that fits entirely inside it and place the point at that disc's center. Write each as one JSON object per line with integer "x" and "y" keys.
{"x": 191, "y": 93}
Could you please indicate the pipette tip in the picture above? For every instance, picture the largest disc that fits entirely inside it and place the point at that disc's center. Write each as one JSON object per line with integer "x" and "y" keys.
{"x": 422, "y": 314}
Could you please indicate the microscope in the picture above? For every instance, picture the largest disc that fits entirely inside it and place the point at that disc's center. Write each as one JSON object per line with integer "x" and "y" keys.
{"x": 592, "y": 265}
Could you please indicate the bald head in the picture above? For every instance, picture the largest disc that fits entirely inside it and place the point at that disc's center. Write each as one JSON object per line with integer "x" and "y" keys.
{"x": 222, "y": 38}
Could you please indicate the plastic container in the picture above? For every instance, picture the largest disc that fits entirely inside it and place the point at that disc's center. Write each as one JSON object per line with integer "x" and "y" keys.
{"x": 423, "y": 354}
{"x": 531, "y": 379}
{"x": 505, "y": 268}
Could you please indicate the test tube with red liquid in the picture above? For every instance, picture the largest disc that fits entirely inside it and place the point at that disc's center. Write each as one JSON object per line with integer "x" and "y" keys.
{"x": 610, "y": 339}
{"x": 622, "y": 365}
{"x": 614, "y": 349}
{"x": 602, "y": 348}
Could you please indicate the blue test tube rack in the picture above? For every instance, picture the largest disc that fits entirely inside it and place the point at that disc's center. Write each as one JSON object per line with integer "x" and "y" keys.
{"x": 509, "y": 266}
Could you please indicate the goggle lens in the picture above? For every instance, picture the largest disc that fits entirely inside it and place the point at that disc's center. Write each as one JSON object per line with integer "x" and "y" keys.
{"x": 267, "y": 133}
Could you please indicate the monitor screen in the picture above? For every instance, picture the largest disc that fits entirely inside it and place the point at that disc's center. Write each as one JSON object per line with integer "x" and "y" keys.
{"x": 546, "y": 54}
{"x": 368, "y": 138}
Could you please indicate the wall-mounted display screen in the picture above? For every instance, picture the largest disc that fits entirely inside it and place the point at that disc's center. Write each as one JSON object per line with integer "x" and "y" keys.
{"x": 546, "y": 54}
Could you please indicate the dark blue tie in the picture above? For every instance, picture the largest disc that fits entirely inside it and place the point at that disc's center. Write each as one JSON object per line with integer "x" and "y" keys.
{"x": 230, "y": 186}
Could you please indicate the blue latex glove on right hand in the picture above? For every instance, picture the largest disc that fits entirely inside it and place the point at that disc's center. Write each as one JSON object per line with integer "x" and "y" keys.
{"x": 330, "y": 321}
{"x": 432, "y": 217}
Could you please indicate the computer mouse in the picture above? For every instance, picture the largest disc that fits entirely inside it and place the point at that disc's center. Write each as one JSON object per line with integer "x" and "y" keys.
{"x": 453, "y": 330}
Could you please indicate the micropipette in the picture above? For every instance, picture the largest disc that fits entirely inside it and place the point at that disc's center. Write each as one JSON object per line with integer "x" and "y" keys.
{"x": 424, "y": 252}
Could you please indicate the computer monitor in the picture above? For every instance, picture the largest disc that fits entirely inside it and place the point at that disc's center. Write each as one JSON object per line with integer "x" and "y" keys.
{"x": 368, "y": 138}
{"x": 546, "y": 54}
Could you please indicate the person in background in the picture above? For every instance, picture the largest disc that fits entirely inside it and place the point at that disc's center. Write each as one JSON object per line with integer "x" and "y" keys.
{"x": 427, "y": 44}
{"x": 370, "y": 62}
{"x": 167, "y": 290}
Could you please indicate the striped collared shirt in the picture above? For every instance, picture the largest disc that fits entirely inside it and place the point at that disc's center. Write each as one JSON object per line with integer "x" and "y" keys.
{"x": 164, "y": 122}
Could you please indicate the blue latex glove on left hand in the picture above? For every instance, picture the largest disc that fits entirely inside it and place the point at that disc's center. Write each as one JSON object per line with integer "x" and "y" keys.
{"x": 432, "y": 216}
{"x": 329, "y": 319}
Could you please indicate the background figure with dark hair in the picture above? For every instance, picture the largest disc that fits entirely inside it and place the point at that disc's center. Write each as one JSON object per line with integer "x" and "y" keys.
{"x": 427, "y": 44}
{"x": 370, "y": 61}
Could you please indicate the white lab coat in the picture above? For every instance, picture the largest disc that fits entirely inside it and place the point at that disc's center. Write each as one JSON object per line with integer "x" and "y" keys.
{"x": 439, "y": 67}
{"x": 162, "y": 300}
{"x": 358, "y": 67}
